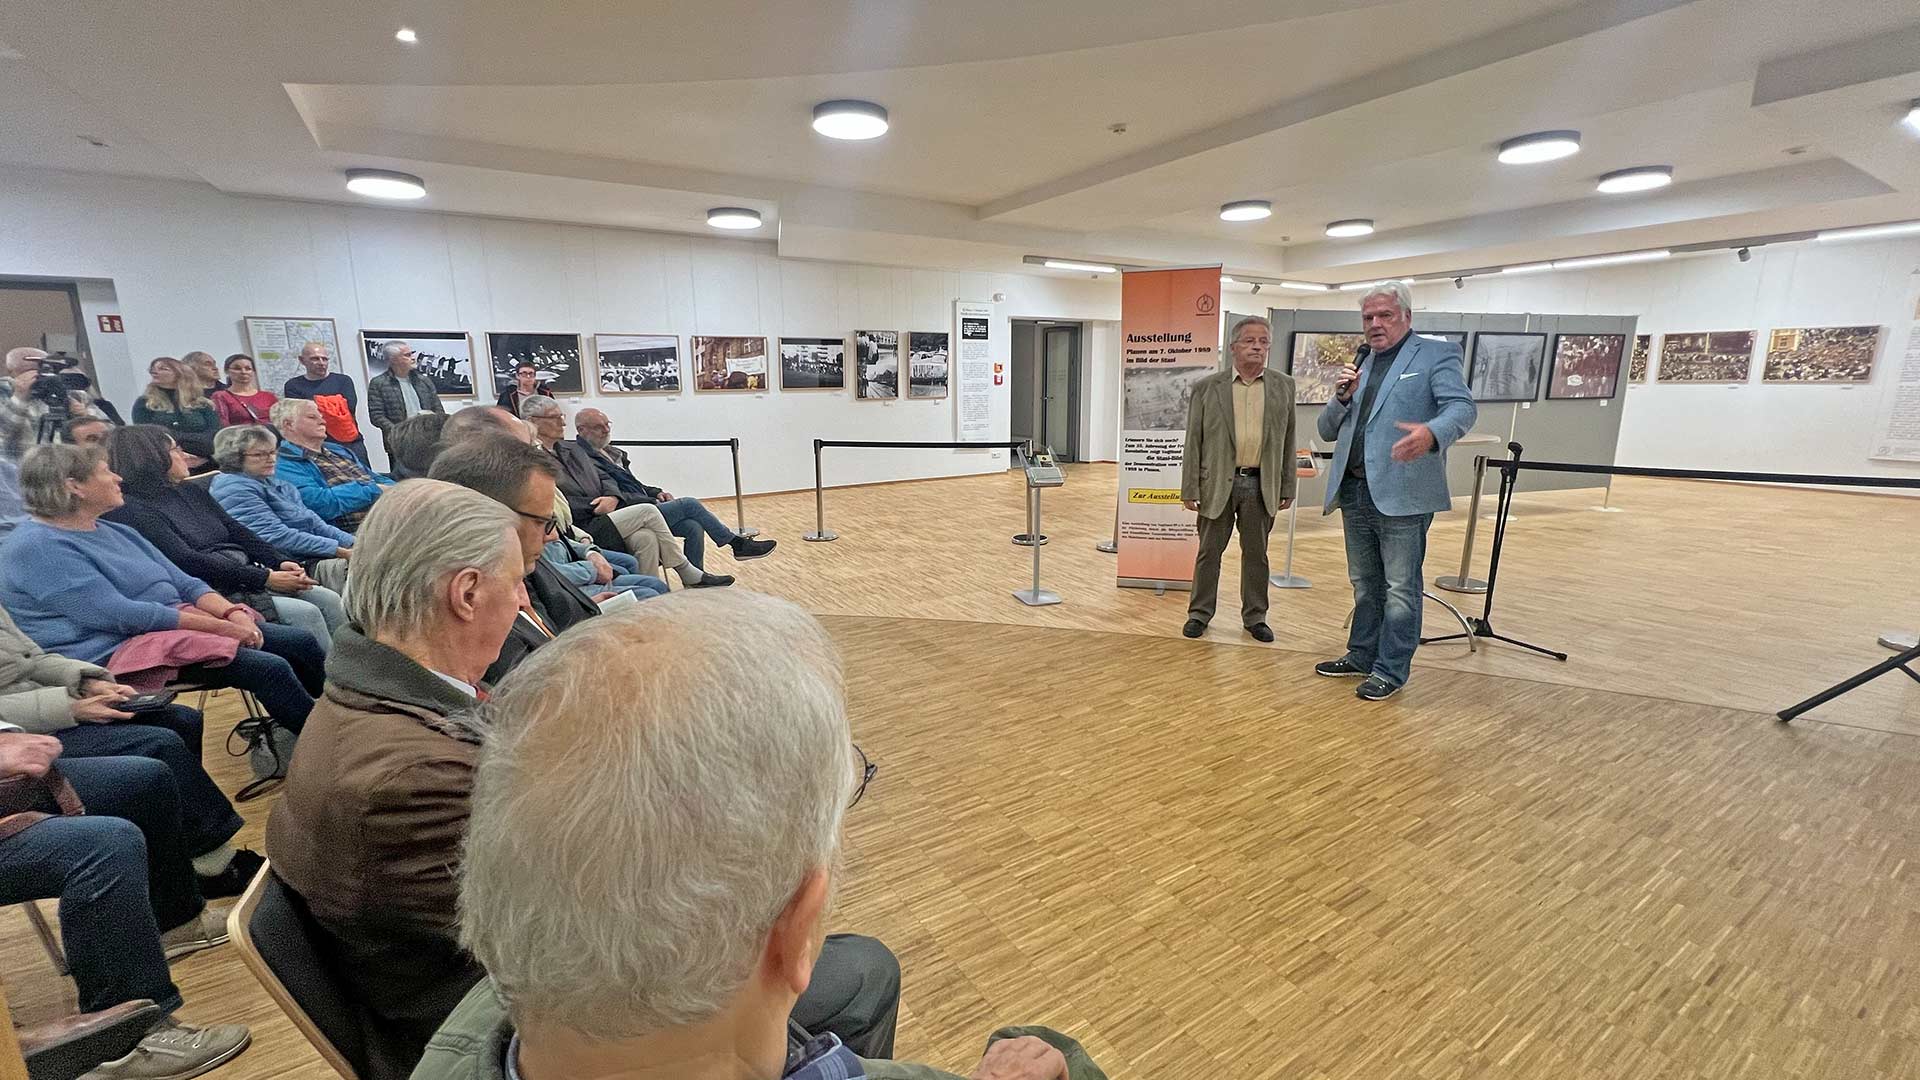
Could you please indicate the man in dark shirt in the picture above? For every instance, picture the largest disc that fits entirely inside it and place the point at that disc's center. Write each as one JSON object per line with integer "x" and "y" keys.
{"x": 336, "y": 396}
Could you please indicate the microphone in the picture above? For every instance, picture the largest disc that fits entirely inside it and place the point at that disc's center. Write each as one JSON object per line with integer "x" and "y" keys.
{"x": 1360, "y": 354}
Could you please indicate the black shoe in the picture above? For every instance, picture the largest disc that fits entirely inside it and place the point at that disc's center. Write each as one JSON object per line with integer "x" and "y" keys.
{"x": 1375, "y": 689}
{"x": 1261, "y": 631}
{"x": 712, "y": 581}
{"x": 744, "y": 548}
{"x": 234, "y": 879}
{"x": 1194, "y": 628}
{"x": 1339, "y": 669}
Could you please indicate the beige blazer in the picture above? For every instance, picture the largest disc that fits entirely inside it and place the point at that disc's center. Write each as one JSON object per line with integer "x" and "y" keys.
{"x": 1206, "y": 473}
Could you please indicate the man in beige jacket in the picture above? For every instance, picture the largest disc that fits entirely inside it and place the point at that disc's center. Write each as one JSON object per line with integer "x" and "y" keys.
{"x": 1238, "y": 470}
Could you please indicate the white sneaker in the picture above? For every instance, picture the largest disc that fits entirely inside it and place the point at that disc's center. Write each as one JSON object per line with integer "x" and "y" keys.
{"x": 174, "y": 1051}
{"x": 194, "y": 935}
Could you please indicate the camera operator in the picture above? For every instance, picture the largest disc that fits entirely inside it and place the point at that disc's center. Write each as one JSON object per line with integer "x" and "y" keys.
{"x": 46, "y": 394}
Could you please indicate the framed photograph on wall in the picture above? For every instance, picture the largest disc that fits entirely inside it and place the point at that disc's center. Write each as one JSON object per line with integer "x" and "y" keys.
{"x": 1722, "y": 356}
{"x": 927, "y": 364}
{"x": 1586, "y": 366}
{"x": 1642, "y": 357}
{"x": 729, "y": 364}
{"x": 445, "y": 356}
{"x": 1821, "y": 354}
{"x": 813, "y": 363}
{"x": 1506, "y": 367}
{"x": 1315, "y": 360}
{"x": 555, "y": 359}
{"x": 876, "y": 364}
{"x": 636, "y": 363}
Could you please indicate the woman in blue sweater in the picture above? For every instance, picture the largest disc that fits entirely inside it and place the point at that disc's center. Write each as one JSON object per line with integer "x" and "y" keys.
{"x": 82, "y": 587}
{"x": 271, "y": 508}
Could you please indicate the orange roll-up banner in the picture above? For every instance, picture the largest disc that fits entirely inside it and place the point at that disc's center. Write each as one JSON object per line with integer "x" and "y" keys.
{"x": 1169, "y": 340}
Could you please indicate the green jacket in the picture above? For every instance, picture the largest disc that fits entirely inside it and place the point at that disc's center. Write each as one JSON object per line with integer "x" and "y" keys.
{"x": 472, "y": 1045}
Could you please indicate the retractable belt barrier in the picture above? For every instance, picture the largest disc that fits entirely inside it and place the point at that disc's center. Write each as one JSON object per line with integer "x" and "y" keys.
{"x": 733, "y": 448}
{"x": 820, "y": 533}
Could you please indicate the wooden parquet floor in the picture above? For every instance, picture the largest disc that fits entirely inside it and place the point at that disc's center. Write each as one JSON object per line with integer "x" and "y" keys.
{"x": 1206, "y": 862}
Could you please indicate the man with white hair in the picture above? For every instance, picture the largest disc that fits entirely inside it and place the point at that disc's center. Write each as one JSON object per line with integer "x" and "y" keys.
{"x": 371, "y": 816}
{"x": 333, "y": 481}
{"x": 400, "y": 392}
{"x": 650, "y": 862}
{"x": 1388, "y": 478}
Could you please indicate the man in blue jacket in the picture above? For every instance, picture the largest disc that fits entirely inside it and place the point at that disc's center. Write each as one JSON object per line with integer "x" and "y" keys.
{"x": 1389, "y": 477}
{"x": 330, "y": 479}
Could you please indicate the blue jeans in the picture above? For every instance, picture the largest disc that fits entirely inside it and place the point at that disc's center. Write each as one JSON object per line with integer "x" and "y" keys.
{"x": 1384, "y": 557}
{"x": 286, "y": 674}
{"x": 319, "y": 611}
{"x": 170, "y": 736}
{"x": 120, "y": 874}
{"x": 693, "y": 523}
{"x": 627, "y": 577}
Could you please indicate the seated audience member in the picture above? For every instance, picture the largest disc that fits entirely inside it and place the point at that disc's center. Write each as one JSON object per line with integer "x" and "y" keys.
{"x": 412, "y": 443}
{"x": 334, "y": 395}
{"x": 188, "y": 526}
{"x": 370, "y": 819}
{"x": 83, "y": 588}
{"x": 650, "y": 863}
{"x": 248, "y": 490}
{"x": 601, "y": 511}
{"x": 78, "y": 704}
{"x": 174, "y": 400}
{"x": 121, "y": 880}
{"x": 331, "y": 480}
{"x": 482, "y": 420}
{"x": 400, "y": 392}
{"x": 201, "y": 363}
{"x": 240, "y": 400}
{"x": 686, "y": 518}
{"x": 87, "y": 431}
{"x": 526, "y": 384}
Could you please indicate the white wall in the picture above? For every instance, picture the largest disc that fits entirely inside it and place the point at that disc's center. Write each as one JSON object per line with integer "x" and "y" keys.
{"x": 185, "y": 263}
{"x": 1767, "y": 427}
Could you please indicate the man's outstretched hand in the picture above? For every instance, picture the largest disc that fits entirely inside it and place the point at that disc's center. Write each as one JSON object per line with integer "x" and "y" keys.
{"x": 1419, "y": 440}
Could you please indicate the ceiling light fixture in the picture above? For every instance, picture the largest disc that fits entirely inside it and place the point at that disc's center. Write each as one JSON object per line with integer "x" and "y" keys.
{"x": 733, "y": 217}
{"x": 849, "y": 119}
{"x": 1350, "y": 227}
{"x": 1090, "y": 268}
{"x": 1246, "y": 210}
{"x": 1527, "y": 268}
{"x": 1356, "y": 286}
{"x": 406, "y": 36}
{"x": 1867, "y": 232}
{"x": 1913, "y": 116}
{"x": 385, "y": 184}
{"x": 1638, "y": 178}
{"x": 1306, "y": 286}
{"x": 1609, "y": 260}
{"x": 1225, "y": 280}
{"x": 1539, "y": 146}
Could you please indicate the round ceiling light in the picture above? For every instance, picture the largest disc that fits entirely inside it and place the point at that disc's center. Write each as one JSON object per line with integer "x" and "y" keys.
{"x": 1638, "y": 178}
{"x": 733, "y": 217}
{"x": 385, "y": 184}
{"x": 1350, "y": 227}
{"x": 406, "y": 36}
{"x": 1246, "y": 210}
{"x": 848, "y": 119}
{"x": 1540, "y": 146}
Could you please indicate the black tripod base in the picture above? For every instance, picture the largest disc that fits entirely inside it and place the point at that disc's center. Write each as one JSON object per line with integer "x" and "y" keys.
{"x": 1891, "y": 663}
{"x": 1484, "y": 630}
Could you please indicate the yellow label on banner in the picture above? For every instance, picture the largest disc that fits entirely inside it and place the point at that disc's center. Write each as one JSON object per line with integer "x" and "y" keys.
{"x": 1153, "y": 495}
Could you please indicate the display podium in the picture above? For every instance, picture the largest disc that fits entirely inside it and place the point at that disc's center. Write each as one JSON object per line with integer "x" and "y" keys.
{"x": 1041, "y": 472}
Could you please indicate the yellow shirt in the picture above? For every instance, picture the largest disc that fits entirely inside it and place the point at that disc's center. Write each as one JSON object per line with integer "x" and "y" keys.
{"x": 1249, "y": 420}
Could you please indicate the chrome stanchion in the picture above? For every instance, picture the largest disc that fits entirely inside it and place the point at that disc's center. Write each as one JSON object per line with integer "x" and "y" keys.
{"x": 820, "y": 533}
{"x": 739, "y": 503}
{"x": 1036, "y": 596}
{"x": 1111, "y": 544}
{"x": 1465, "y": 582}
{"x": 1287, "y": 579}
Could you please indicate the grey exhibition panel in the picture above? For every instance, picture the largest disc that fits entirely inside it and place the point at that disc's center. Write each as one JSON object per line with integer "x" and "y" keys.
{"x": 1585, "y": 430}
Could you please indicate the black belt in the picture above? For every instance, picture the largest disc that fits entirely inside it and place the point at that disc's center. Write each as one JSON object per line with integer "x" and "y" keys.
{"x": 1254, "y": 471}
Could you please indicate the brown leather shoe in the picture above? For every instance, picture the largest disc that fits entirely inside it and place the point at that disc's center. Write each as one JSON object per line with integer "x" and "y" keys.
{"x": 63, "y": 1049}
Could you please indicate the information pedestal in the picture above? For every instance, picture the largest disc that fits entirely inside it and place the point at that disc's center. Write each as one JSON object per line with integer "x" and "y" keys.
{"x": 1041, "y": 473}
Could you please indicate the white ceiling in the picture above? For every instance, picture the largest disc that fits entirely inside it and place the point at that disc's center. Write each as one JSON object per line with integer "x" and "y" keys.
{"x": 643, "y": 114}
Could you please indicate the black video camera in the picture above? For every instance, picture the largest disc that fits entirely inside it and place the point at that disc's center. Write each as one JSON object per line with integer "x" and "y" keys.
{"x": 57, "y": 378}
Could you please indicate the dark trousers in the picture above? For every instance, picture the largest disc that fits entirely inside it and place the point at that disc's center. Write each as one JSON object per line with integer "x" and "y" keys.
{"x": 855, "y": 993}
{"x": 693, "y": 523}
{"x": 286, "y": 675}
{"x": 170, "y": 736}
{"x": 120, "y": 874}
{"x": 1247, "y": 510}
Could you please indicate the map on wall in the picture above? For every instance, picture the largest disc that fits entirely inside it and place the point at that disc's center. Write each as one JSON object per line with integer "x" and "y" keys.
{"x": 1724, "y": 356}
{"x": 1821, "y": 354}
{"x": 275, "y": 343}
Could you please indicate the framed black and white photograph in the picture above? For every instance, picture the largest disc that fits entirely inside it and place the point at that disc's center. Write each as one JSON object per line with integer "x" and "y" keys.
{"x": 1506, "y": 367}
{"x": 1456, "y": 338}
{"x": 1586, "y": 366}
{"x": 927, "y": 360}
{"x": 813, "y": 363}
{"x": 445, "y": 356}
{"x": 555, "y": 359}
{"x": 876, "y": 364}
{"x": 637, "y": 363}
{"x": 729, "y": 364}
{"x": 1315, "y": 361}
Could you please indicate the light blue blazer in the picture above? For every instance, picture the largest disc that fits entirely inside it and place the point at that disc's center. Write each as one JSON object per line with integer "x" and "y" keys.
{"x": 1425, "y": 385}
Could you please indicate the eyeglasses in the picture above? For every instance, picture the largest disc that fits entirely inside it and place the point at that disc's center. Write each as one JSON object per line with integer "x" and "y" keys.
{"x": 550, "y": 523}
{"x": 867, "y": 769}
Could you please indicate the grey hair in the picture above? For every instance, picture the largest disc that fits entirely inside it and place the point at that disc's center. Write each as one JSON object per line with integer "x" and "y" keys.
{"x": 284, "y": 409}
{"x": 540, "y": 405}
{"x": 231, "y": 445}
{"x": 418, "y": 534}
{"x": 1245, "y": 321}
{"x": 44, "y": 473}
{"x": 1397, "y": 291}
{"x": 390, "y": 350}
{"x": 632, "y": 840}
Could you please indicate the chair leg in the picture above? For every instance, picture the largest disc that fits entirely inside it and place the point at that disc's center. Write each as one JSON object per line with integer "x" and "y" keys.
{"x": 47, "y": 939}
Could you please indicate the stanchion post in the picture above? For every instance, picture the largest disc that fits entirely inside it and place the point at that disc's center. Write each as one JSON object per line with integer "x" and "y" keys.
{"x": 739, "y": 503}
{"x": 1465, "y": 582}
{"x": 1899, "y": 641}
{"x": 1112, "y": 543}
{"x": 1287, "y": 579}
{"x": 820, "y": 534}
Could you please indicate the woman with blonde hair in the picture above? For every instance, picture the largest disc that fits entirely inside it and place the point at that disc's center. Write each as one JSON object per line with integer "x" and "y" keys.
{"x": 175, "y": 400}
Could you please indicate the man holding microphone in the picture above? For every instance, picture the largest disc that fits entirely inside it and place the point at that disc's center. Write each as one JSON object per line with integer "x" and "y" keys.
{"x": 1395, "y": 411}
